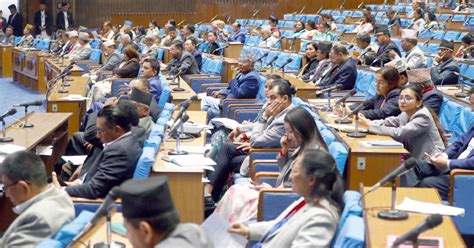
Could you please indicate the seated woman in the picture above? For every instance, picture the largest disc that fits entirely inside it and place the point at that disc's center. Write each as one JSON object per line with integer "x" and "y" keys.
{"x": 430, "y": 20}
{"x": 240, "y": 202}
{"x": 418, "y": 20}
{"x": 324, "y": 34}
{"x": 417, "y": 127}
{"x": 27, "y": 39}
{"x": 310, "y": 221}
{"x": 385, "y": 103}
{"x": 107, "y": 32}
{"x": 310, "y": 30}
{"x": 367, "y": 25}
{"x": 300, "y": 29}
{"x": 129, "y": 68}
{"x": 311, "y": 61}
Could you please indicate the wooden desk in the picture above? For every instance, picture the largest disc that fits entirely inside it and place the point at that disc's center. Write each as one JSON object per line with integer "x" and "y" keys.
{"x": 233, "y": 51}
{"x": 185, "y": 184}
{"x": 49, "y": 129}
{"x": 6, "y": 60}
{"x": 181, "y": 96}
{"x": 25, "y": 67}
{"x": 228, "y": 67}
{"x": 56, "y": 65}
{"x": 303, "y": 90}
{"x": 378, "y": 162}
{"x": 58, "y": 102}
{"x": 450, "y": 91}
{"x": 99, "y": 233}
{"x": 378, "y": 229}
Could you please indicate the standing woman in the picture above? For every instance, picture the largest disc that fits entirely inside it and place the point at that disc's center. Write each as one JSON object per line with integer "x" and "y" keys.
{"x": 385, "y": 103}
{"x": 240, "y": 202}
{"x": 417, "y": 127}
{"x": 311, "y": 61}
{"x": 310, "y": 221}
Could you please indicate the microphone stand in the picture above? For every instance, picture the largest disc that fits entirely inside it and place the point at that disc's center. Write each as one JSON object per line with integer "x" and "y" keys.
{"x": 356, "y": 133}
{"x": 63, "y": 90}
{"x": 178, "y": 89}
{"x": 26, "y": 124}
{"x": 329, "y": 107}
{"x": 179, "y": 135}
{"x": 344, "y": 120}
{"x": 5, "y": 139}
{"x": 109, "y": 243}
{"x": 461, "y": 94}
{"x": 393, "y": 214}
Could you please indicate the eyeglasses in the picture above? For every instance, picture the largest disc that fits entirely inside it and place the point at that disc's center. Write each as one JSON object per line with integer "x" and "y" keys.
{"x": 405, "y": 98}
{"x": 6, "y": 186}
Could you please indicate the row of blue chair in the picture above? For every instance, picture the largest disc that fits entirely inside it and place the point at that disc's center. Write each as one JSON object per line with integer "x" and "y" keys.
{"x": 295, "y": 65}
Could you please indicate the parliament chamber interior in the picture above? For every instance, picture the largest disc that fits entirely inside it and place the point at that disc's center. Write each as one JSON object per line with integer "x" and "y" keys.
{"x": 236, "y": 123}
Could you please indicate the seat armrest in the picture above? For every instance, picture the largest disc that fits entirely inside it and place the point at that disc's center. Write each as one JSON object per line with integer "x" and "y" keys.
{"x": 452, "y": 175}
{"x": 253, "y": 166}
{"x": 258, "y": 175}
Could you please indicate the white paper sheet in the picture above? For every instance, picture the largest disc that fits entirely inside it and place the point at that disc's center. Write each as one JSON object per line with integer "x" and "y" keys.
{"x": 429, "y": 208}
{"x": 44, "y": 150}
{"x": 10, "y": 148}
{"x": 216, "y": 228}
{"x": 76, "y": 160}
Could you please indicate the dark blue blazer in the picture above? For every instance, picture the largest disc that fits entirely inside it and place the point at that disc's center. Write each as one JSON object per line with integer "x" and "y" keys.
{"x": 243, "y": 86}
{"x": 239, "y": 36}
{"x": 374, "y": 109}
{"x": 458, "y": 147}
{"x": 443, "y": 72}
{"x": 345, "y": 75}
{"x": 433, "y": 99}
{"x": 198, "y": 56}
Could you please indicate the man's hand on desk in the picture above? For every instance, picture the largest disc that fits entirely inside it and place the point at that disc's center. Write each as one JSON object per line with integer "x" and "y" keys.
{"x": 244, "y": 146}
{"x": 363, "y": 122}
{"x": 216, "y": 94}
{"x": 440, "y": 160}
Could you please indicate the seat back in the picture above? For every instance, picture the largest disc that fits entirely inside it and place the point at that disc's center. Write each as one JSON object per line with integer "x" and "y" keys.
{"x": 95, "y": 43}
{"x": 462, "y": 193}
{"x": 95, "y": 55}
{"x": 340, "y": 153}
{"x": 451, "y": 35}
{"x": 116, "y": 83}
{"x": 261, "y": 89}
{"x": 274, "y": 203}
{"x": 145, "y": 162}
{"x": 215, "y": 67}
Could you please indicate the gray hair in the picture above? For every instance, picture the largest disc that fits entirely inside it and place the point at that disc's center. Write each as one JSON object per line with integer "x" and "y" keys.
{"x": 26, "y": 166}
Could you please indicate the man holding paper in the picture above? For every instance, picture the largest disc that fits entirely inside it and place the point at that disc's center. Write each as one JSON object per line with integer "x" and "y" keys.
{"x": 459, "y": 155}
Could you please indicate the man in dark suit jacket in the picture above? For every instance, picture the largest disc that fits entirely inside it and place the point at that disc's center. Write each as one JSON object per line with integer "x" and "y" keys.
{"x": 237, "y": 34}
{"x": 459, "y": 155}
{"x": 62, "y": 16}
{"x": 444, "y": 65}
{"x": 40, "y": 24}
{"x": 15, "y": 20}
{"x": 117, "y": 161}
{"x": 183, "y": 62}
{"x": 382, "y": 34}
{"x": 191, "y": 46}
{"x": 343, "y": 70}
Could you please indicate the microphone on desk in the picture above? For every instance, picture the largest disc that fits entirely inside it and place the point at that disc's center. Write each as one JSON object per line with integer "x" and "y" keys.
{"x": 69, "y": 67}
{"x": 334, "y": 87}
{"x": 289, "y": 60}
{"x": 344, "y": 98}
{"x": 219, "y": 48}
{"x": 356, "y": 111}
{"x": 264, "y": 55}
{"x": 463, "y": 76}
{"x": 10, "y": 112}
{"x": 35, "y": 103}
{"x": 402, "y": 169}
{"x": 431, "y": 222}
{"x": 302, "y": 10}
{"x": 184, "y": 106}
{"x": 179, "y": 122}
{"x": 270, "y": 63}
{"x": 378, "y": 58}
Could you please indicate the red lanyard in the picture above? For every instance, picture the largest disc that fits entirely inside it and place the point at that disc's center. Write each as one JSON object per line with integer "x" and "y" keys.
{"x": 296, "y": 208}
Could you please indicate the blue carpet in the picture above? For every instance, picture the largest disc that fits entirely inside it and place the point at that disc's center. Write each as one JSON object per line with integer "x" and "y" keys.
{"x": 15, "y": 93}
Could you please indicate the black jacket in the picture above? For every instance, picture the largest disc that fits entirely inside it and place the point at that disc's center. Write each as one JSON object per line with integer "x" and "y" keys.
{"x": 345, "y": 74}
{"x": 60, "y": 23}
{"x": 382, "y": 53}
{"x": 433, "y": 99}
{"x": 443, "y": 72}
{"x": 17, "y": 24}
{"x": 309, "y": 69}
{"x": 113, "y": 165}
{"x": 38, "y": 23}
{"x": 374, "y": 109}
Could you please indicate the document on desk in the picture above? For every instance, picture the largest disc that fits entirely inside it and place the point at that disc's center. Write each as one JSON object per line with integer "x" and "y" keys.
{"x": 216, "y": 228}
{"x": 190, "y": 161}
{"x": 346, "y": 128}
{"x": 226, "y": 122}
{"x": 429, "y": 208}
{"x": 44, "y": 150}
{"x": 381, "y": 144}
{"x": 8, "y": 149}
{"x": 75, "y": 160}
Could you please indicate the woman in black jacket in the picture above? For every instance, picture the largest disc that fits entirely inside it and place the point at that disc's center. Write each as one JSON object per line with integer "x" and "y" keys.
{"x": 130, "y": 67}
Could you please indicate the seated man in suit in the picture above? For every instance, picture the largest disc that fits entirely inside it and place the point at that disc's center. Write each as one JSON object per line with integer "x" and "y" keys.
{"x": 322, "y": 54}
{"x": 266, "y": 133}
{"x": 414, "y": 58}
{"x": 432, "y": 98}
{"x": 151, "y": 49}
{"x": 268, "y": 39}
{"x": 191, "y": 46}
{"x": 42, "y": 209}
{"x": 343, "y": 70}
{"x": 444, "y": 65}
{"x": 82, "y": 50}
{"x": 183, "y": 62}
{"x": 156, "y": 225}
{"x": 8, "y": 38}
{"x": 459, "y": 155}
{"x": 116, "y": 162}
{"x": 243, "y": 86}
{"x": 367, "y": 55}
{"x": 237, "y": 34}
{"x": 171, "y": 37}
{"x": 114, "y": 57}
{"x": 151, "y": 72}
{"x": 382, "y": 34}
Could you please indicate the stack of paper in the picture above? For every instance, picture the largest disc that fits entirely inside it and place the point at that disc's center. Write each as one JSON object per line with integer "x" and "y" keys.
{"x": 190, "y": 161}
{"x": 346, "y": 128}
{"x": 216, "y": 228}
{"x": 429, "y": 208}
{"x": 10, "y": 148}
{"x": 381, "y": 144}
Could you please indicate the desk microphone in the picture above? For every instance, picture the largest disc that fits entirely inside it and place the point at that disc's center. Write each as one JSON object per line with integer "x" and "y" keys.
{"x": 286, "y": 63}
{"x": 344, "y": 98}
{"x": 184, "y": 106}
{"x": 402, "y": 169}
{"x": 431, "y": 222}
{"x": 272, "y": 60}
{"x": 264, "y": 55}
{"x": 334, "y": 87}
{"x": 219, "y": 49}
{"x": 35, "y": 103}
{"x": 179, "y": 122}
